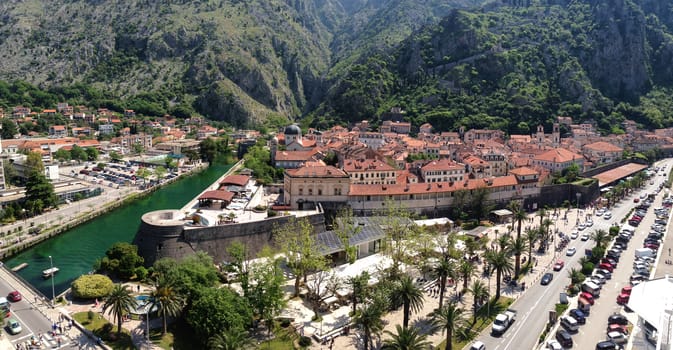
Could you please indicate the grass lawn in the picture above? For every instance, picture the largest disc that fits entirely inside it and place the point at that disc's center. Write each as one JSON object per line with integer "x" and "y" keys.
{"x": 484, "y": 319}
{"x": 285, "y": 338}
{"x": 105, "y": 330}
{"x": 164, "y": 341}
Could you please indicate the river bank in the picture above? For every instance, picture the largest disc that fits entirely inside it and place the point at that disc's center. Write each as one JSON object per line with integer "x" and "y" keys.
{"x": 69, "y": 216}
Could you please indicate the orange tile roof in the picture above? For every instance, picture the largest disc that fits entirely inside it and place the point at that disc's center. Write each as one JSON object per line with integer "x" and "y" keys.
{"x": 295, "y": 155}
{"x": 558, "y": 155}
{"x": 442, "y": 164}
{"x": 429, "y": 187}
{"x": 523, "y": 171}
{"x": 623, "y": 171}
{"x": 352, "y": 165}
{"x": 239, "y": 180}
{"x": 603, "y": 146}
{"x": 317, "y": 171}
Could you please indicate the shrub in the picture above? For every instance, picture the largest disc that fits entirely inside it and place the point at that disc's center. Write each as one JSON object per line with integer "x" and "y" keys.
{"x": 304, "y": 341}
{"x": 91, "y": 286}
{"x": 141, "y": 273}
{"x": 90, "y": 315}
{"x": 587, "y": 268}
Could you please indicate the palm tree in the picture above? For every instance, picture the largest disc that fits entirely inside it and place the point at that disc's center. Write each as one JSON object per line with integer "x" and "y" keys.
{"x": 532, "y": 236}
{"x": 576, "y": 276}
{"x": 504, "y": 242}
{"x": 541, "y": 213}
{"x": 601, "y": 237}
{"x": 230, "y": 339}
{"x": 518, "y": 247}
{"x": 119, "y": 303}
{"x": 466, "y": 270}
{"x": 479, "y": 292}
{"x": 368, "y": 319}
{"x": 442, "y": 271}
{"x": 411, "y": 297}
{"x": 518, "y": 215}
{"x": 406, "y": 339}
{"x": 448, "y": 319}
{"x": 500, "y": 262}
{"x": 167, "y": 301}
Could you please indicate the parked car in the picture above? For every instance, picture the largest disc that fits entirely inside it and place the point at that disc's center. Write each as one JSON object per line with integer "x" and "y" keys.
{"x": 478, "y": 345}
{"x": 573, "y": 235}
{"x": 553, "y": 344}
{"x": 588, "y": 297}
{"x": 571, "y": 251}
{"x": 585, "y": 237}
{"x": 564, "y": 338}
{"x": 618, "y": 319}
{"x": 578, "y": 315}
{"x": 617, "y": 328}
{"x": 623, "y": 299}
{"x": 607, "y": 345}
{"x": 618, "y": 338}
{"x": 598, "y": 279}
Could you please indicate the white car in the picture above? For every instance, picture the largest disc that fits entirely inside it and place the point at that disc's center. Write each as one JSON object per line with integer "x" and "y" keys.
{"x": 478, "y": 346}
{"x": 585, "y": 237}
{"x": 618, "y": 337}
{"x": 574, "y": 235}
{"x": 607, "y": 216}
{"x": 581, "y": 227}
{"x": 589, "y": 223}
{"x": 571, "y": 251}
{"x": 553, "y": 344}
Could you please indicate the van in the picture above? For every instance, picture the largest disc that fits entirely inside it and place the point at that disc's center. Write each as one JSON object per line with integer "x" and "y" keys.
{"x": 644, "y": 252}
{"x": 606, "y": 345}
{"x": 570, "y": 324}
{"x": 591, "y": 288}
{"x": 4, "y": 306}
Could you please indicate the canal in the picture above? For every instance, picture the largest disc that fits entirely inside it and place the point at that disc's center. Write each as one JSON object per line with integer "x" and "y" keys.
{"x": 75, "y": 251}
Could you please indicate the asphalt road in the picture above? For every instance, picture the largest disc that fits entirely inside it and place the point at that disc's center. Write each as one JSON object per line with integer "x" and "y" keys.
{"x": 32, "y": 322}
{"x": 534, "y": 304}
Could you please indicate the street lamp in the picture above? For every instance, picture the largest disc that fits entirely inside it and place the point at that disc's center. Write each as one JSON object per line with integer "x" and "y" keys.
{"x": 578, "y": 195}
{"x": 51, "y": 265}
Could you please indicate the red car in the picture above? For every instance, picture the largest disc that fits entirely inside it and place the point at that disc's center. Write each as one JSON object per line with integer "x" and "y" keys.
{"x": 627, "y": 290}
{"x": 14, "y": 296}
{"x": 606, "y": 266}
{"x": 612, "y": 262}
{"x": 559, "y": 265}
{"x": 617, "y": 328}
{"x": 588, "y": 297}
{"x": 652, "y": 246}
{"x": 636, "y": 200}
{"x": 623, "y": 299}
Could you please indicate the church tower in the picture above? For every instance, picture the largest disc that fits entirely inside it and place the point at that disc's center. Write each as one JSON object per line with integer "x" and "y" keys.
{"x": 540, "y": 136}
{"x": 556, "y": 135}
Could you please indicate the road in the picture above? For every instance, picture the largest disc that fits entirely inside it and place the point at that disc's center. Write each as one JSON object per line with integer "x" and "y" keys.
{"x": 32, "y": 321}
{"x": 534, "y": 304}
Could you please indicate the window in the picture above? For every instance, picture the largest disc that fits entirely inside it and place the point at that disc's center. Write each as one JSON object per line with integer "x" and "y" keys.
{"x": 320, "y": 192}
{"x": 310, "y": 191}
{"x": 301, "y": 191}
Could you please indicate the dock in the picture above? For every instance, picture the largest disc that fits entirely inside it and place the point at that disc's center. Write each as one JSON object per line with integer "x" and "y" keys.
{"x": 19, "y": 267}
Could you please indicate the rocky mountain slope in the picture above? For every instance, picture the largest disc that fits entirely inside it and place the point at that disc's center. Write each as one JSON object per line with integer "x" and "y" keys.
{"x": 233, "y": 60}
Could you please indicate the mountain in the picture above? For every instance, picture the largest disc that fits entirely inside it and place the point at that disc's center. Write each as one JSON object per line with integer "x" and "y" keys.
{"x": 233, "y": 60}
{"x": 514, "y": 66}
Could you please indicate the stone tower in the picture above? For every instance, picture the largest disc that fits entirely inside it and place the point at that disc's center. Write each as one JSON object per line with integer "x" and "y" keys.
{"x": 539, "y": 136}
{"x": 556, "y": 135}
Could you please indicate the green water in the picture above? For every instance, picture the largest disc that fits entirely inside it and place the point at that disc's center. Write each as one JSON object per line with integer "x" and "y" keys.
{"x": 75, "y": 251}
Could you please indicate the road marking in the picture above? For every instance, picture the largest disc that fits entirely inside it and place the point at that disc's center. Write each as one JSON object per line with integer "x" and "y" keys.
{"x": 22, "y": 338}
{"x": 523, "y": 321}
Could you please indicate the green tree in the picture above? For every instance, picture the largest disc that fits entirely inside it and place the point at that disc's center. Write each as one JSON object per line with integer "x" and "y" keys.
{"x": 264, "y": 288}
{"x": 215, "y": 310}
{"x": 406, "y": 339}
{"x": 369, "y": 320}
{"x": 296, "y": 240}
{"x": 119, "y": 303}
{"x": 601, "y": 237}
{"x": 167, "y": 301}
{"x": 144, "y": 173}
{"x": 9, "y": 129}
{"x": 466, "y": 271}
{"x": 479, "y": 293}
{"x": 500, "y": 262}
{"x": 137, "y": 148}
{"x": 518, "y": 215}
{"x": 39, "y": 191}
{"x": 449, "y": 319}
{"x": 91, "y": 154}
{"x": 345, "y": 228}
{"x": 359, "y": 285}
{"x": 443, "y": 270}
{"x": 531, "y": 237}
{"x": 115, "y": 156}
{"x": 518, "y": 247}
{"x": 188, "y": 275}
{"x": 78, "y": 153}
{"x": 208, "y": 150}
{"x": 91, "y": 286}
{"x": 576, "y": 276}
{"x": 409, "y": 295}
{"x": 231, "y": 339}
{"x": 62, "y": 154}
{"x": 121, "y": 259}
{"x": 160, "y": 172}
{"x": 258, "y": 159}
{"x": 479, "y": 203}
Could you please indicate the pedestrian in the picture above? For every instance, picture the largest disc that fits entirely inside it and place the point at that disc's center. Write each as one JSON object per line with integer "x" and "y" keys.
{"x": 138, "y": 288}
{"x": 669, "y": 251}
{"x": 60, "y": 329}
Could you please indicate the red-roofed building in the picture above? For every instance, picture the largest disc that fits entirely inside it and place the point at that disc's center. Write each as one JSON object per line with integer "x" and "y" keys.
{"x": 558, "y": 159}
{"x": 443, "y": 170}
{"x": 369, "y": 171}
{"x": 237, "y": 180}
{"x": 602, "y": 152}
{"x": 295, "y": 159}
{"x": 305, "y": 186}
{"x": 57, "y": 131}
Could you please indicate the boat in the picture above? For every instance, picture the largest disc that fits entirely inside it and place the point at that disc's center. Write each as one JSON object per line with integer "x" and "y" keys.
{"x": 49, "y": 272}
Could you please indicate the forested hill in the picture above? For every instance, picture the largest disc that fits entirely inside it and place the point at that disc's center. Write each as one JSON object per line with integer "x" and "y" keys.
{"x": 508, "y": 64}
{"x": 234, "y": 60}
{"x": 512, "y": 66}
